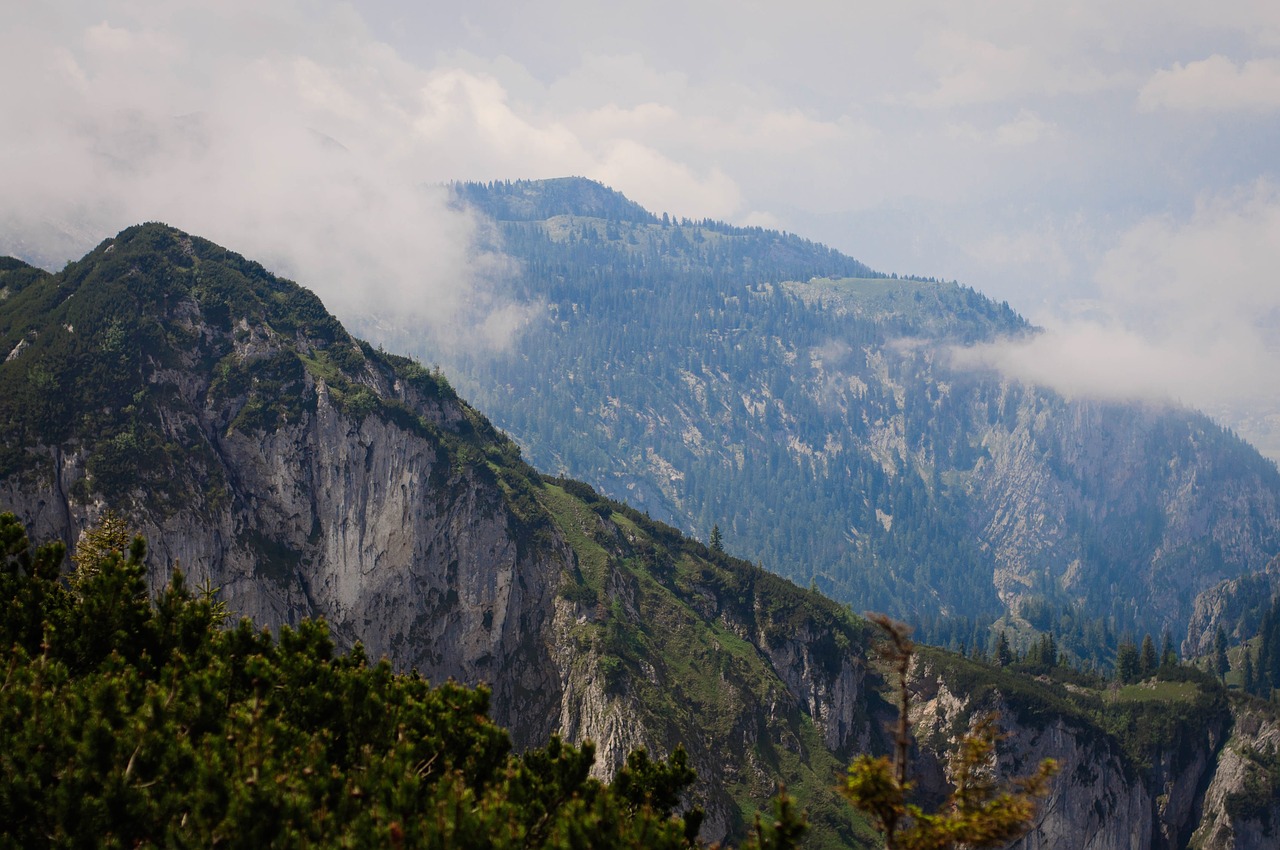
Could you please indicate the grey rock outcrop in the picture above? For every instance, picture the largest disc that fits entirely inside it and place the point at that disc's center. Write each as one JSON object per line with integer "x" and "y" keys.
{"x": 1242, "y": 802}
{"x": 1095, "y": 802}
{"x": 1234, "y": 605}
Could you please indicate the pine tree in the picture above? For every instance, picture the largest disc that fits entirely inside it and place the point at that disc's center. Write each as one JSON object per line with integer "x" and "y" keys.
{"x": 1168, "y": 656}
{"x": 111, "y": 535}
{"x": 717, "y": 542}
{"x": 1147, "y": 662}
{"x": 1004, "y": 654}
{"x": 133, "y": 723}
{"x": 1220, "y": 662}
{"x": 1127, "y": 663}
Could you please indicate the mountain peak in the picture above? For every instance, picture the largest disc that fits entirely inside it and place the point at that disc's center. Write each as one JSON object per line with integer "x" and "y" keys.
{"x": 535, "y": 200}
{"x": 149, "y": 267}
{"x": 118, "y": 333}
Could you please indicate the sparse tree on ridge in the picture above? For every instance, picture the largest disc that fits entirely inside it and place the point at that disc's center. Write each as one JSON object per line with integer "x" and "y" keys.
{"x": 1168, "y": 655}
{"x": 1221, "y": 664}
{"x": 1147, "y": 661}
{"x": 1004, "y": 653}
{"x": 1127, "y": 662}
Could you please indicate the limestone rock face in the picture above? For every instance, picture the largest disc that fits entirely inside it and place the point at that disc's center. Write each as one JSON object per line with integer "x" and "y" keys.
{"x": 1214, "y": 788}
{"x": 1090, "y": 502}
{"x": 1241, "y": 809}
{"x": 1234, "y": 605}
{"x": 1093, "y": 805}
{"x": 831, "y": 697}
{"x": 1095, "y": 802}
{"x": 295, "y": 502}
{"x": 366, "y": 525}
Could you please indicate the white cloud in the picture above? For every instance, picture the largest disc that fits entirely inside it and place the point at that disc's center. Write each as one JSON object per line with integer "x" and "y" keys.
{"x": 1107, "y": 360}
{"x": 760, "y": 218}
{"x": 654, "y": 181}
{"x": 1026, "y": 128}
{"x": 294, "y": 158}
{"x": 1188, "y": 310}
{"x": 1215, "y": 84}
{"x": 1033, "y": 250}
{"x": 312, "y": 151}
{"x": 973, "y": 70}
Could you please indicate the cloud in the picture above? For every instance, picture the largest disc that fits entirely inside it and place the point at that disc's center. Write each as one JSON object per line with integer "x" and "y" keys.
{"x": 1003, "y": 144}
{"x": 304, "y": 143}
{"x": 974, "y": 70}
{"x": 1187, "y": 310}
{"x": 1023, "y": 129}
{"x": 652, "y": 180}
{"x": 1106, "y": 360}
{"x": 294, "y": 157}
{"x": 289, "y": 133}
{"x": 1026, "y": 128}
{"x": 1031, "y": 251}
{"x": 1214, "y": 84}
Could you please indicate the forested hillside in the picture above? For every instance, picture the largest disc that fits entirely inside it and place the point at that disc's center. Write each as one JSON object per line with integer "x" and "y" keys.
{"x": 226, "y": 416}
{"x": 166, "y": 385}
{"x": 807, "y": 406}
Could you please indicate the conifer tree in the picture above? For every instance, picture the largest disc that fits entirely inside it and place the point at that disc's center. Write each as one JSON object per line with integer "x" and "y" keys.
{"x": 129, "y": 722}
{"x": 111, "y": 535}
{"x": 1127, "y": 662}
{"x": 1147, "y": 661}
{"x": 1220, "y": 662}
{"x": 1004, "y": 654}
{"x": 1168, "y": 656}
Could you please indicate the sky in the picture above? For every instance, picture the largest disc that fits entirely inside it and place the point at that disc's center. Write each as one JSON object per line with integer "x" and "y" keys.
{"x": 1109, "y": 169}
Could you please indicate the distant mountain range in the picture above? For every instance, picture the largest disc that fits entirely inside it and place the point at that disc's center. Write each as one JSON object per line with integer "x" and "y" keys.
{"x": 809, "y": 407}
{"x": 224, "y": 414}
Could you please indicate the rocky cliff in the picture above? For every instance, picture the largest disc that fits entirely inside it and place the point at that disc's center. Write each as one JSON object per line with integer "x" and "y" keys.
{"x": 1165, "y": 764}
{"x": 232, "y": 421}
{"x": 1241, "y": 807}
{"x": 302, "y": 473}
{"x": 1234, "y": 605}
{"x": 271, "y": 459}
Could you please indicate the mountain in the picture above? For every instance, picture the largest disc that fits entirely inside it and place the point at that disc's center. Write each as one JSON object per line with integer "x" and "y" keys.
{"x": 813, "y": 410}
{"x": 236, "y": 425}
{"x": 302, "y": 473}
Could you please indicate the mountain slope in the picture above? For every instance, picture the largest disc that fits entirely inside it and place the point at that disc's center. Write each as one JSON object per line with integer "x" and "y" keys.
{"x": 242, "y": 429}
{"x": 810, "y": 408}
{"x": 231, "y": 420}
{"x": 236, "y": 425}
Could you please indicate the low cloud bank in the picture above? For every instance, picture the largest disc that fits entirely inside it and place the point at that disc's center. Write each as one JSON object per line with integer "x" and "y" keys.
{"x": 1187, "y": 310}
{"x": 285, "y": 142}
{"x": 289, "y": 133}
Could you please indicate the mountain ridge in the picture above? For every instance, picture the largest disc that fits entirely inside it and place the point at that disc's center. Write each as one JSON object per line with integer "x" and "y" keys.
{"x": 702, "y": 371}
{"x": 304, "y": 473}
{"x": 237, "y": 426}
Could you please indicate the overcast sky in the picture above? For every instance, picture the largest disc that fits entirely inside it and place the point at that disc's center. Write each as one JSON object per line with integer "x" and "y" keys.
{"x": 1108, "y": 168}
